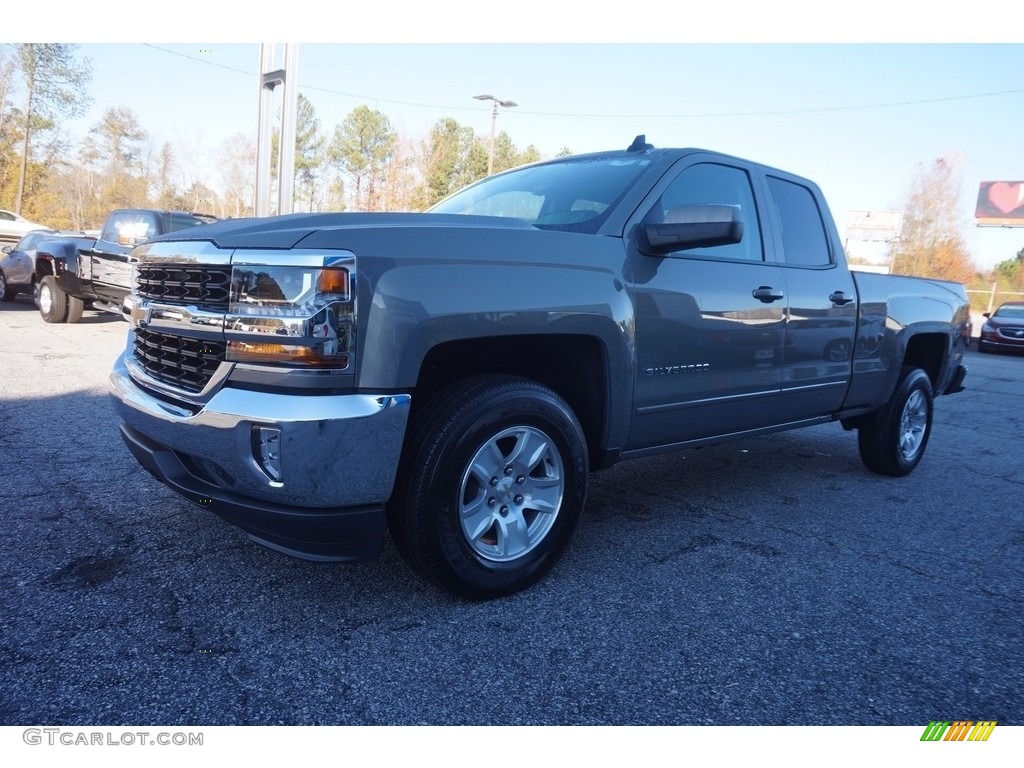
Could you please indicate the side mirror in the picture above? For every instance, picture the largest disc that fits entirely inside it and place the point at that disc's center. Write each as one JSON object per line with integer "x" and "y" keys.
{"x": 986, "y": 314}
{"x": 8, "y": 248}
{"x": 693, "y": 226}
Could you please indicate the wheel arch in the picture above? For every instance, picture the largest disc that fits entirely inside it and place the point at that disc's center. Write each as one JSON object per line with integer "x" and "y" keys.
{"x": 576, "y": 366}
{"x": 929, "y": 352}
{"x": 44, "y": 267}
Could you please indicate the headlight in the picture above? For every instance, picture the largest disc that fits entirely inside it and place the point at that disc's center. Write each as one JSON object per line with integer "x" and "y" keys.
{"x": 300, "y": 315}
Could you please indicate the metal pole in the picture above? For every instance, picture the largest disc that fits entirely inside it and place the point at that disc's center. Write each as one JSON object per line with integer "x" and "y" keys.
{"x": 490, "y": 154}
{"x": 289, "y": 112}
{"x": 267, "y": 82}
{"x": 496, "y": 102}
{"x": 270, "y": 78}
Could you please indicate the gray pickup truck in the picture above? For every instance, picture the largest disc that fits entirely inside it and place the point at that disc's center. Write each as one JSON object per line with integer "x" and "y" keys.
{"x": 456, "y": 375}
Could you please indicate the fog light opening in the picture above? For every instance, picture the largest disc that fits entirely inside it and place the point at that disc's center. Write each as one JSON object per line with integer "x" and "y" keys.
{"x": 266, "y": 449}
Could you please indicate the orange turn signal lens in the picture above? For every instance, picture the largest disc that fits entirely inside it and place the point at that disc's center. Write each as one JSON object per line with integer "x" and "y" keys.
{"x": 262, "y": 352}
{"x": 333, "y": 281}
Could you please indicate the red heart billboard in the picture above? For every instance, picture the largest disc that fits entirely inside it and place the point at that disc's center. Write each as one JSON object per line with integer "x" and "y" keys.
{"x": 1000, "y": 202}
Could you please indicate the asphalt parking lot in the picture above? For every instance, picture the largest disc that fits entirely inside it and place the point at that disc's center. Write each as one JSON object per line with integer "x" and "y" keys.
{"x": 771, "y": 581}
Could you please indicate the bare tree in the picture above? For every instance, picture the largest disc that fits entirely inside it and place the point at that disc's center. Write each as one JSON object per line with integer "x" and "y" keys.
{"x": 236, "y": 161}
{"x": 400, "y": 180}
{"x": 931, "y": 243}
{"x": 193, "y": 167}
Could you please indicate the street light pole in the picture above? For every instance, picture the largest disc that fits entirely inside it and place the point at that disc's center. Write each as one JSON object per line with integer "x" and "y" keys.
{"x": 494, "y": 125}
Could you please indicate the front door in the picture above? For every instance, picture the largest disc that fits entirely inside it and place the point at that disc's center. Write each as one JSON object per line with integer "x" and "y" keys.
{"x": 710, "y": 322}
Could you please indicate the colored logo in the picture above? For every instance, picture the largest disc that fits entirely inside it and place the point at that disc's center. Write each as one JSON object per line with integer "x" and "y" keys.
{"x": 958, "y": 730}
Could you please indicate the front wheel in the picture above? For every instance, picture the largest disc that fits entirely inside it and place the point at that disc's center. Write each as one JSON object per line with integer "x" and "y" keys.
{"x": 6, "y": 292}
{"x": 892, "y": 441}
{"x": 491, "y": 486}
{"x": 53, "y": 302}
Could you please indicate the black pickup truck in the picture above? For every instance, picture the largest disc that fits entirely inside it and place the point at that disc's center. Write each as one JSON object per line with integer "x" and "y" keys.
{"x": 457, "y": 374}
{"x": 73, "y": 274}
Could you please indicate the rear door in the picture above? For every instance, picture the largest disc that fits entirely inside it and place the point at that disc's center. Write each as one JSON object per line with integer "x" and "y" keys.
{"x": 818, "y": 352}
{"x": 710, "y": 322}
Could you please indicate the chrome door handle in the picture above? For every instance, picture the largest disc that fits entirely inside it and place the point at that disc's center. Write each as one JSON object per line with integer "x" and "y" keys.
{"x": 767, "y": 294}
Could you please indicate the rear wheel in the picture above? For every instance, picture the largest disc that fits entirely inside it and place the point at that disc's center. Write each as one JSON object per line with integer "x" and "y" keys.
{"x": 491, "y": 488}
{"x": 53, "y": 302}
{"x": 893, "y": 440}
{"x": 75, "y": 308}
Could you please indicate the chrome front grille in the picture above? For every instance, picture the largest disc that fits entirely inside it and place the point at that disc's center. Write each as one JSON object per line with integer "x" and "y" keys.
{"x": 180, "y": 361}
{"x": 208, "y": 286}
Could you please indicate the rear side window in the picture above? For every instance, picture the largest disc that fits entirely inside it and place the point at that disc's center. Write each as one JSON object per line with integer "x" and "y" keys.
{"x": 803, "y": 233}
{"x": 172, "y": 222}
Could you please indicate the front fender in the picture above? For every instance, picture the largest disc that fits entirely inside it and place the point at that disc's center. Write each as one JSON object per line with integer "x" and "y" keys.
{"x": 415, "y": 308}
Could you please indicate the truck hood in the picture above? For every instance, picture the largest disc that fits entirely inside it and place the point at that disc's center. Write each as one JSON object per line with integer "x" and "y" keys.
{"x": 283, "y": 232}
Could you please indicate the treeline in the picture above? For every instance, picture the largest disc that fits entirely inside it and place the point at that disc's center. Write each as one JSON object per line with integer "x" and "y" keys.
{"x": 362, "y": 163}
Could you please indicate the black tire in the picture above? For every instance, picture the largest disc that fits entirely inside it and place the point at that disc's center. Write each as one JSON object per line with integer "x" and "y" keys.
{"x": 893, "y": 441}
{"x": 53, "y": 302}
{"x": 529, "y": 442}
{"x": 6, "y": 292}
{"x": 75, "y": 308}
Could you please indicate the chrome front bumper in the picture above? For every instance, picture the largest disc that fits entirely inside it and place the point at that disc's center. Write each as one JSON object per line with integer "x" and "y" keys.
{"x": 338, "y": 455}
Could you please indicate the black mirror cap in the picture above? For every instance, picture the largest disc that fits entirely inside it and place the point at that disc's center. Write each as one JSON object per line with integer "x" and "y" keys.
{"x": 693, "y": 226}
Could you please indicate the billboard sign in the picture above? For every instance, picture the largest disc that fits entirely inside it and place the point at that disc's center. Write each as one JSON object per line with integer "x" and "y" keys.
{"x": 873, "y": 226}
{"x": 1000, "y": 203}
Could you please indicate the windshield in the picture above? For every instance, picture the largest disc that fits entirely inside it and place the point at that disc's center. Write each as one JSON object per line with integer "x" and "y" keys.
{"x": 1011, "y": 311}
{"x": 572, "y": 195}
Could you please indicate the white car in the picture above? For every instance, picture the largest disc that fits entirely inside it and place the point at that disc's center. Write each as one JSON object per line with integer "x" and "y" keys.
{"x": 13, "y": 226}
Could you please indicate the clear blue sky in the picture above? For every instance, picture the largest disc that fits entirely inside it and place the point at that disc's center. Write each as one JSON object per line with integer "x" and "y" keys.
{"x": 856, "y": 118}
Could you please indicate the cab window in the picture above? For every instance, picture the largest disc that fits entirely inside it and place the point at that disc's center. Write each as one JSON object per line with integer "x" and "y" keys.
{"x": 714, "y": 184}
{"x": 804, "y": 242}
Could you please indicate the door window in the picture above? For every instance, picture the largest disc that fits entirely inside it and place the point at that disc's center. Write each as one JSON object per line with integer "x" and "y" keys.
{"x": 714, "y": 184}
{"x": 804, "y": 242}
